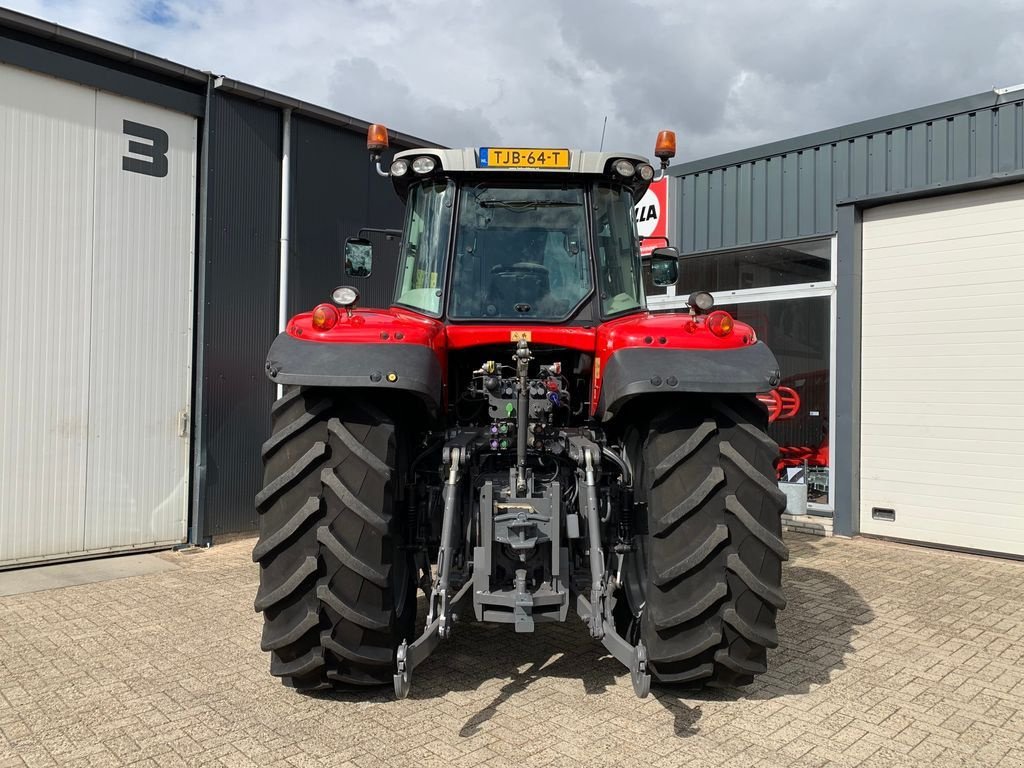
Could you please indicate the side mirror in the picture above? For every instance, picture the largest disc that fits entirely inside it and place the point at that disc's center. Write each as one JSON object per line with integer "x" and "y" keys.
{"x": 358, "y": 257}
{"x": 664, "y": 266}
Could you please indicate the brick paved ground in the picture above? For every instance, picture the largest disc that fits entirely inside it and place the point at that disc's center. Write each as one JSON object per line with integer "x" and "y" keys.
{"x": 890, "y": 656}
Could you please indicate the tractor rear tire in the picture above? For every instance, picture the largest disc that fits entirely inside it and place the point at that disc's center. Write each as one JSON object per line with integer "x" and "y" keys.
{"x": 704, "y": 584}
{"x": 336, "y": 586}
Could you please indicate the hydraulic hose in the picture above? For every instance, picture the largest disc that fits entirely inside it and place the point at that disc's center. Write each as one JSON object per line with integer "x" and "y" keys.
{"x": 523, "y": 423}
{"x": 627, "y": 475}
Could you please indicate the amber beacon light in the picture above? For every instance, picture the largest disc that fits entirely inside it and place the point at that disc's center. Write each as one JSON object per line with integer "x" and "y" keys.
{"x": 665, "y": 147}
{"x": 377, "y": 138}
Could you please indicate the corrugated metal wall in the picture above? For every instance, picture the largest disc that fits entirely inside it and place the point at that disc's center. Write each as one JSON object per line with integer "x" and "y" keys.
{"x": 754, "y": 197}
{"x": 335, "y": 192}
{"x": 242, "y": 252}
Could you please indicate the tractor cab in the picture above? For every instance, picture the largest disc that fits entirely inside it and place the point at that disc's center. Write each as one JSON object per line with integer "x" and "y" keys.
{"x": 518, "y": 235}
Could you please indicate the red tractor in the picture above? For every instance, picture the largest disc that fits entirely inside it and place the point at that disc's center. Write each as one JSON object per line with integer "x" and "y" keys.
{"x": 518, "y": 436}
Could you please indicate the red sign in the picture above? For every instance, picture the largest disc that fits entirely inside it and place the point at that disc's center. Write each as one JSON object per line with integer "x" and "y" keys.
{"x": 652, "y": 217}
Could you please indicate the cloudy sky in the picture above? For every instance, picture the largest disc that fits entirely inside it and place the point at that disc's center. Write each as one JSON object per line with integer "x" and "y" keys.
{"x": 724, "y": 75}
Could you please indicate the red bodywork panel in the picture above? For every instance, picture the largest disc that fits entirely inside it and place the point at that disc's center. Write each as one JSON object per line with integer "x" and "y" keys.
{"x": 658, "y": 331}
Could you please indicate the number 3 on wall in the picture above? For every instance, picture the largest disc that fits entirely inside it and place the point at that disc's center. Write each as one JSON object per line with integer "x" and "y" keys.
{"x": 154, "y": 152}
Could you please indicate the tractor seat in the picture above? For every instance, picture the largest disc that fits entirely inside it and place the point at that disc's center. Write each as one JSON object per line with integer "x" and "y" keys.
{"x": 524, "y": 282}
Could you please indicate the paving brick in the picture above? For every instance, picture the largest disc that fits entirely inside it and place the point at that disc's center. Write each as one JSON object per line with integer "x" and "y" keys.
{"x": 889, "y": 655}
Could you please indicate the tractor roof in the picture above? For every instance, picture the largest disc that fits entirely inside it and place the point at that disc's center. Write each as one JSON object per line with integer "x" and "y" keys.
{"x": 519, "y": 160}
{"x": 469, "y": 159}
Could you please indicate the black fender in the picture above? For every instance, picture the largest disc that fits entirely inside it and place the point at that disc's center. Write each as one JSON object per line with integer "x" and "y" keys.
{"x": 392, "y": 367}
{"x": 645, "y": 371}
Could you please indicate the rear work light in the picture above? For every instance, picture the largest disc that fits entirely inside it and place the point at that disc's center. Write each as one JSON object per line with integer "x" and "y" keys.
{"x": 700, "y": 301}
{"x": 720, "y": 323}
{"x": 345, "y": 296}
{"x": 624, "y": 168}
{"x": 325, "y": 317}
{"x": 424, "y": 165}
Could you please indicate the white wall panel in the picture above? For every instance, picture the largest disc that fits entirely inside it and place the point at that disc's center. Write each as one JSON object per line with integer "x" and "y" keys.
{"x": 141, "y": 344}
{"x": 96, "y": 265}
{"x": 46, "y": 246}
{"x": 942, "y": 367}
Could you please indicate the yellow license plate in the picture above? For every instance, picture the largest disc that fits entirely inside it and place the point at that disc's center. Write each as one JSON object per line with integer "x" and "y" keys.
{"x": 523, "y": 157}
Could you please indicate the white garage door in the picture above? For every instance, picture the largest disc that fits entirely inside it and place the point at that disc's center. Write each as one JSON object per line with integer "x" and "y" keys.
{"x": 97, "y": 201}
{"x": 942, "y": 394}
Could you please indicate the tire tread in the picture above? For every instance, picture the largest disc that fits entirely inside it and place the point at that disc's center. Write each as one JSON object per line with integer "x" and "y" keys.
{"x": 329, "y": 541}
{"x": 711, "y": 562}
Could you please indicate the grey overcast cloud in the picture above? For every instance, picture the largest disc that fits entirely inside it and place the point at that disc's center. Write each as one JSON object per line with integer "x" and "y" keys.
{"x": 723, "y": 75}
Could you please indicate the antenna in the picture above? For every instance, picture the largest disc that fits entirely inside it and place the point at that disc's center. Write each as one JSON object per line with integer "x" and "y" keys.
{"x": 603, "y": 129}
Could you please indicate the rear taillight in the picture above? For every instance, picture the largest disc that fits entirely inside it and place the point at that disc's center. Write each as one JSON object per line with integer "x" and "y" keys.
{"x": 325, "y": 317}
{"x": 720, "y": 323}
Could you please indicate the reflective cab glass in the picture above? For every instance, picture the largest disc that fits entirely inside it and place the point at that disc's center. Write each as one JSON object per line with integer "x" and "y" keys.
{"x": 520, "y": 253}
{"x": 617, "y": 246}
{"x": 421, "y": 263}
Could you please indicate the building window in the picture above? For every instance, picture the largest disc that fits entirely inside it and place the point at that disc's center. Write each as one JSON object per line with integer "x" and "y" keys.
{"x": 786, "y": 291}
{"x": 767, "y": 267}
{"x": 798, "y": 332}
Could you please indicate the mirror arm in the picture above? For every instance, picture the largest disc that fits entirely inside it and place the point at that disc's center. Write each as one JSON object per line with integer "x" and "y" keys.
{"x": 662, "y": 172}
{"x": 375, "y": 159}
